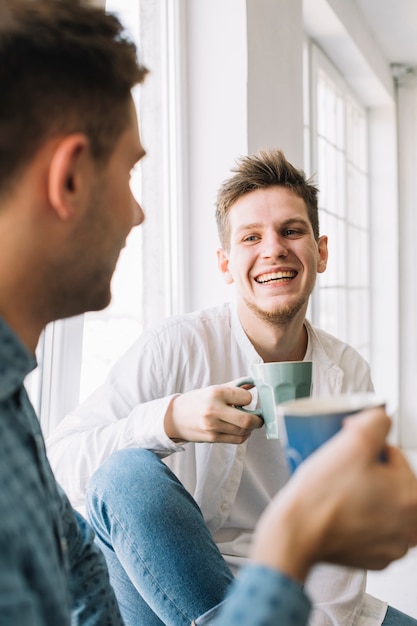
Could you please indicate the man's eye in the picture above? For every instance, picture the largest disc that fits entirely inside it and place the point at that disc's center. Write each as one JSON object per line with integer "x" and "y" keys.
{"x": 291, "y": 231}
{"x": 251, "y": 238}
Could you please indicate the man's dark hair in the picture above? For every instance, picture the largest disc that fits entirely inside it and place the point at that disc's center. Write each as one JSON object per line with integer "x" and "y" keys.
{"x": 65, "y": 66}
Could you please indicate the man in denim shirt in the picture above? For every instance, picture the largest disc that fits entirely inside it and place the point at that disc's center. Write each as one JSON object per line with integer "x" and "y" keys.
{"x": 48, "y": 561}
{"x": 68, "y": 141}
{"x": 335, "y": 508}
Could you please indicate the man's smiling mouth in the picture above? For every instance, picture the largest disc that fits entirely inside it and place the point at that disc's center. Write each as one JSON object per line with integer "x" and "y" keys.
{"x": 276, "y": 277}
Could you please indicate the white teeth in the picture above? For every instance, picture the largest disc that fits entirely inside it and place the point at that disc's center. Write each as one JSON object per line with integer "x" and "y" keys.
{"x": 266, "y": 278}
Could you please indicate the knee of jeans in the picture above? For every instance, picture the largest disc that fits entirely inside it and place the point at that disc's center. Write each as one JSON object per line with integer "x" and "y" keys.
{"x": 122, "y": 469}
{"x": 121, "y": 477}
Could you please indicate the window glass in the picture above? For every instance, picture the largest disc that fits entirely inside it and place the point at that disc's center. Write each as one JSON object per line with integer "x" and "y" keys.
{"x": 338, "y": 154}
{"x": 148, "y": 281}
{"x": 74, "y": 355}
{"x": 108, "y": 333}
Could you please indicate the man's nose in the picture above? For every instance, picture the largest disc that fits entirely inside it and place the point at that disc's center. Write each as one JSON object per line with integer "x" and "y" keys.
{"x": 138, "y": 214}
{"x": 275, "y": 245}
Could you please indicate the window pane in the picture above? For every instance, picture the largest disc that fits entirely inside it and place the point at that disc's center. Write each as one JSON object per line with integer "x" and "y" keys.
{"x": 358, "y": 320}
{"x": 333, "y": 227}
{"x": 342, "y": 297}
{"x": 332, "y": 304}
{"x": 108, "y": 333}
{"x": 358, "y": 257}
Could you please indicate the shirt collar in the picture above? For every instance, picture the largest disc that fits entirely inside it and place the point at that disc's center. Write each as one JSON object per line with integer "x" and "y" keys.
{"x": 15, "y": 361}
{"x": 241, "y": 337}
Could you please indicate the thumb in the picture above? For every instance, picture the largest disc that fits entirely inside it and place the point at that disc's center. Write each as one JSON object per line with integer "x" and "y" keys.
{"x": 369, "y": 429}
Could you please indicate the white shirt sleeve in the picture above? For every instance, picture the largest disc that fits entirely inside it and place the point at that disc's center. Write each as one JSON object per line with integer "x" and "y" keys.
{"x": 128, "y": 410}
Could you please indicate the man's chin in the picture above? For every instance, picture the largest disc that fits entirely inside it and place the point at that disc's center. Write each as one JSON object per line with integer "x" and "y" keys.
{"x": 277, "y": 315}
{"x": 104, "y": 302}
{"x": 100, "y": 301}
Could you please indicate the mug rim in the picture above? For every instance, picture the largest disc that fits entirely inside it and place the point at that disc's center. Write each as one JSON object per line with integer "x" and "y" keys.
{"x": 327, "y": 405}
{"x": 281, "y": 362}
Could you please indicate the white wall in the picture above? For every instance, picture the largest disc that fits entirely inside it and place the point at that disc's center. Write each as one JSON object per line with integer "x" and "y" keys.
{"x": 340, "y": 30}
{"x": 275, "y": 77}
{"x": 217, "y": 111}
{"x": 385, "y": 262}
{"x": 244, "y": 92}
{"x": 407, "y": 131}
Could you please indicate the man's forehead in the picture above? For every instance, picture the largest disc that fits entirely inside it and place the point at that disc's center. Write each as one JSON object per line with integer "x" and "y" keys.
{"x": 279, "y": 202}
{"x": 132, "y": 138}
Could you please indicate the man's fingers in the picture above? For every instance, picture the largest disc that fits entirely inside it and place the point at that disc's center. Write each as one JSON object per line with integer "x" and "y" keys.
{"x": 236, "y": 396}
{"x": 370, "y": 428}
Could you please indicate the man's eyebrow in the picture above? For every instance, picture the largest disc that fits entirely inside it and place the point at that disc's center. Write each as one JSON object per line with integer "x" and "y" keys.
{"x": 249, "y": 226}
{"x": 283, "y": 224}
{"x": 296, "y": 220}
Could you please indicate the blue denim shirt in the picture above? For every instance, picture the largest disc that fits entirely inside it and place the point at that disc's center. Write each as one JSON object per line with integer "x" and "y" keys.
{"x": 51, "y": 573}
{"x": 263, "y": 597}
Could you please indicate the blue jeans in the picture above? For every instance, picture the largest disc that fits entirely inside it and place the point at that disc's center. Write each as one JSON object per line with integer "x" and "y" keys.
{"x": 164, "y": 565}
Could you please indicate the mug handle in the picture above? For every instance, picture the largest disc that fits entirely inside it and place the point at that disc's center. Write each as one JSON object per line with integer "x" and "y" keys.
{"x": 240, "y": 383}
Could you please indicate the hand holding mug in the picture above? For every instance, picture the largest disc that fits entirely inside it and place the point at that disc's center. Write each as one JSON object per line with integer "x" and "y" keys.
{"x": 306, "y": 424}
{"x": 276, "y": 383}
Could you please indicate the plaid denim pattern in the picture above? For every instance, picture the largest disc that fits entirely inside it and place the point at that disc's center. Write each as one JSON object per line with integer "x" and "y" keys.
{"x": 50, "y": 570}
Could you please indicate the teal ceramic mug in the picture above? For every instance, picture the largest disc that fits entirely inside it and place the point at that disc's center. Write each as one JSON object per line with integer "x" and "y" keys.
{"x": 276, "y": 383}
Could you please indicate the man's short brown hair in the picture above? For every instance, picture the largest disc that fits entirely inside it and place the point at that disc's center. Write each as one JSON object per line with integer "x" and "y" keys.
{"x": 260, "y": 171}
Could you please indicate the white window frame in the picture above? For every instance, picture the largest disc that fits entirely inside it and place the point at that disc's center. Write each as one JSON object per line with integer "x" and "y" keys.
{"x": 336, "y": 316}
{"x": 55, "y": 386}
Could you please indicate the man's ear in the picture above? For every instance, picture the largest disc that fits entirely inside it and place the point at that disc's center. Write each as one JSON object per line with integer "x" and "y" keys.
{"x": 223, "y": 265}
{"x": 67, "y": 172}
{"x": 323, "y": 254}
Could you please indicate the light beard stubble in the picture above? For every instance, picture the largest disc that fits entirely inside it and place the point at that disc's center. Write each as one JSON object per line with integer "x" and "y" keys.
{"x": 280, "y": 317}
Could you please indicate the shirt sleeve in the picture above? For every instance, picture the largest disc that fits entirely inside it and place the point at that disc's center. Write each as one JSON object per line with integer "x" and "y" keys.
{"x": 93, "y": 602}
{"x": 127, "y": 411}
{"x": 264, "y": 597}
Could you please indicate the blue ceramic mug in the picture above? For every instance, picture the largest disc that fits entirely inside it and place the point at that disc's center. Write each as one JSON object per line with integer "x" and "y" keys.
{"x": 307, "y": 423}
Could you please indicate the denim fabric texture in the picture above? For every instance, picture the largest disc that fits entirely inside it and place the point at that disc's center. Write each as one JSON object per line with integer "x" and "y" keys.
{"x": 50, "y": 570}
{"x": 164, "y": 565}
{"x": 264, "y": 597}
{"x": 394, "y": 617}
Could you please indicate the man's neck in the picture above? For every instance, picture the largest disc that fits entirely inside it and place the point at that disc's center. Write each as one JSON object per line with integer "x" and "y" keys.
{"x": 276, "y": 342}
{"x": 28, "y": 333}
{"x": 18, "y": 308}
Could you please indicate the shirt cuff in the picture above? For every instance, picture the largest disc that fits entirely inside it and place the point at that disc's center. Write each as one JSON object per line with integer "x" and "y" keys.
{"x": 146, "y": 427}
{"x": 263, "y": 596}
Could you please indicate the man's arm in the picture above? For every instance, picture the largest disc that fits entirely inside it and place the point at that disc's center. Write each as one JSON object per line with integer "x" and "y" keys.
{"x": 343, "y": 505}
{"x": 127, "y": 410}
{"x": 93, "y": 600}
{"x": 263, "y": 596}
{"x": 134, "y": 406}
